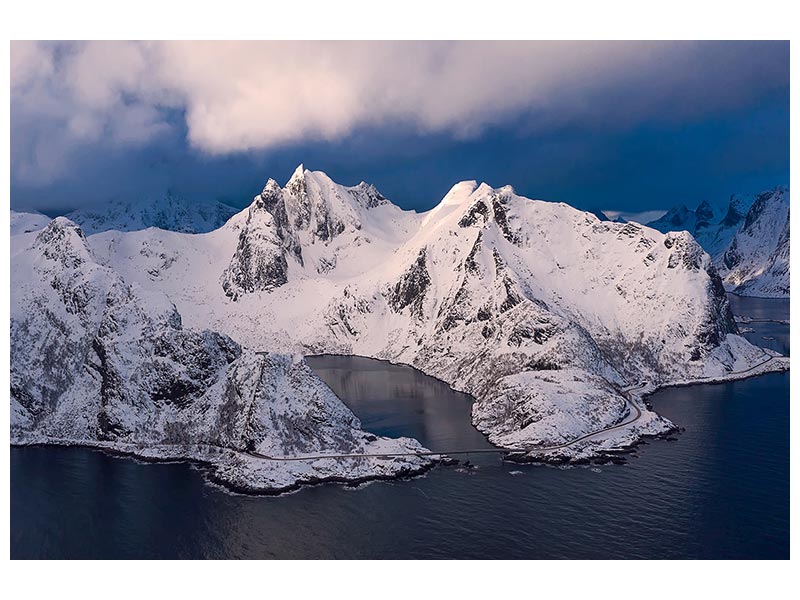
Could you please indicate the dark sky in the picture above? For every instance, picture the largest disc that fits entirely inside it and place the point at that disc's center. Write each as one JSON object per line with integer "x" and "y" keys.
{"x": 673, "y": 130}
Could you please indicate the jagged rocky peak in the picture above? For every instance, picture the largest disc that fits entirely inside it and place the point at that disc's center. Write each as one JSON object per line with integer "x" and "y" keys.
{"x": 677, "y": 218}
{"x": 483, "y": 206}
{"x": 704, "y": 214}
{"x": 770, "y": 200}
{"x": 319, "y": 209}
{"x": 270, "y": 194}
{"x": 680, "y": 215}
{"x": 297, "y": 188}
{"x": 313, "y": 202}
{"x": 685, "y": 251}
{"x": 296, "y": 224}
{"x": 368, "y": 195}
{"x": 64, "y": 241}
{"x": 737, "y": 210}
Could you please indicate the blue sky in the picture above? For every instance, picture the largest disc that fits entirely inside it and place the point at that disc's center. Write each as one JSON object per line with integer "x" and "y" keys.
{"x": 622, "y": 126}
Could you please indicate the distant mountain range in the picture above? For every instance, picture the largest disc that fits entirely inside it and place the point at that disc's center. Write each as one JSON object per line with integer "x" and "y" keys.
{"x": 170, "y": 344}
{"x": 749, "y": 243}
{"x": 171, "y": 212}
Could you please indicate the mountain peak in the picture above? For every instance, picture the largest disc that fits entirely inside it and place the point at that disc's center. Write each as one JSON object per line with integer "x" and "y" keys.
{"x": 459, "y": 193}
{"x": 704, "y": 205}
{"x": 704, "y": 213}
{"x": 299, "y": 173}
{"x": 64, "y": 242}
{"x": 269, "y": 196}
{"x": 677, "y": 218}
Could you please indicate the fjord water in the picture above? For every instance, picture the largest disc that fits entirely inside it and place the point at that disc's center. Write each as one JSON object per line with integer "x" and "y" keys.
{"x": 720, "y": 491}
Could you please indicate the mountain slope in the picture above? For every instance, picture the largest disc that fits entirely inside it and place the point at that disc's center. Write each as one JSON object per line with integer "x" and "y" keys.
{"x": 756, "y": 262}
{"x": 27, "y": 222}
{"x": 542, "y": 312}
{"x": 170, "y": 212}
{"x": 98, "y": 361}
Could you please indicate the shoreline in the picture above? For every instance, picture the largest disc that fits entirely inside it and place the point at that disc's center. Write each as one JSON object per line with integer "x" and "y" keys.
{"x": 616, "y": 455}
{"x": 208, "y": 467}
{"x": 516, "y": 456}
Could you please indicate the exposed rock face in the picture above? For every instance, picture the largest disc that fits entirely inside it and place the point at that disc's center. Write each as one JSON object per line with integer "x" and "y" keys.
{"x": 259, "y": 263}
{"x": 737, "y": 211}
{"x": 368, "y": 195}
{"x": 94, "y": 354}
{"x": 298, "y": 224}
{"x": 410, "y": 290}
{"x": 704, "y": 214}
{"x": 705, "y": 225}
{"x": 272, "y": 200}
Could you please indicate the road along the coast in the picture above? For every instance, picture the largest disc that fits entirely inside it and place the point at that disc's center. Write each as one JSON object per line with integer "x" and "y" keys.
{"x": 633, "y": 415}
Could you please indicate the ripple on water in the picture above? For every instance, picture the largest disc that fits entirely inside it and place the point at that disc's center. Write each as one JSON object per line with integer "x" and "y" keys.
{"x": 720, "y": 491}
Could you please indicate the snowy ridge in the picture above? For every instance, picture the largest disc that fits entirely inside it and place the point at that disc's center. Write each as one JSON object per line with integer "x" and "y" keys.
{"x": 542, "y": 312}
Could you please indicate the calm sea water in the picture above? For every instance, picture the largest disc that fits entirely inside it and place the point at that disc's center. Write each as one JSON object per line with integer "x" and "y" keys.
{"x": 769, "y": 335}
{"x": 720, "y": 491}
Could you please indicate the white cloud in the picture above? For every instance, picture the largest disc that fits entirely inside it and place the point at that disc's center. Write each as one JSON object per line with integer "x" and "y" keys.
{"x": 639, "y": 217}
{"x": 239, "y": 96}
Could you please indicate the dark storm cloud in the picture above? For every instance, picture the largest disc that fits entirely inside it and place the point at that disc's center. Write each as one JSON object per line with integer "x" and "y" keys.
{"x": 630, "y": 126}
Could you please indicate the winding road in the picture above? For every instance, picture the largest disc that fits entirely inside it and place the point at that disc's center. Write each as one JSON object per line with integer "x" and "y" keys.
{"x": 634, "y": 414}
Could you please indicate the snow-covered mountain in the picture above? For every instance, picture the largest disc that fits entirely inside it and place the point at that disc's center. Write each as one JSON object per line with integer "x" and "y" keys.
{"x": 542, "y": 312}
{"x": 170, "y": 212}
{"x": 712, "y": 230}
{"x": 717, "y": 235}
{"x": 678, "y": 218}
{"x": 310, "y": 227}
{"x": 749, "y": 244}
{"x": 756, "y": 261}
{"x": 103, "y": 362}
{"x": 167, "y": 344}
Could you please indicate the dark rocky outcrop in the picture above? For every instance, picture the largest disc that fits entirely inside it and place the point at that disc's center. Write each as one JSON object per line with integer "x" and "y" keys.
{"x": 259, "y": 263}
{"x": 410, "y": 290}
